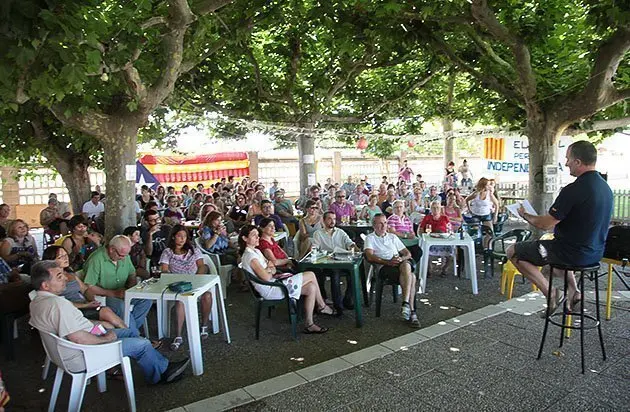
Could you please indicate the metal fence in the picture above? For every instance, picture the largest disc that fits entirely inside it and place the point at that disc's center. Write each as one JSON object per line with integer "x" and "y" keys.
{"x": 512, "y": 192}
{"x": 621, "y": 206}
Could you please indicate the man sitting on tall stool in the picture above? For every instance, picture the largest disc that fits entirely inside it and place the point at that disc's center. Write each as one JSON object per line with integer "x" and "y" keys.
{"x": 330, "y": 238}
{"x": 53, "y": 313}
{"x": 388, "y": 251}
{"x": 579, "y": 218}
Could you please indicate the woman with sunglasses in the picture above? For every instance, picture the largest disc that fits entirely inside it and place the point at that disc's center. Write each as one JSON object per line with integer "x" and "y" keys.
{"x": 309, "y": 224}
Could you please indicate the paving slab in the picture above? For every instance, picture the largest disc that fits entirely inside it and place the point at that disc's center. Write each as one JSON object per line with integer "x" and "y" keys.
{"x": 221, "y": 402}
{"x": 438, "y": 329}
{"x": 368, "y": 354}
{"x": 274, "y": 385}
{"x": 444, "y": 393}
{"x": 323, "y": 369}
{"x": 404, "y": 341}
{"x": 606, "y": 389}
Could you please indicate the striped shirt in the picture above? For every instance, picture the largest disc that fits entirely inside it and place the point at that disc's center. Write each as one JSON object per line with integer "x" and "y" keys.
{"x": 400, "y": 224}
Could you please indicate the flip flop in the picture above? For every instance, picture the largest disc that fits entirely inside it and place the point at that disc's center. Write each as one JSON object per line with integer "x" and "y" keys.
{"x": 321, "y": 330}
{"x": 554, "y": 303}
{"x": 576, "y": 303}
{"x": 157, "y": 344}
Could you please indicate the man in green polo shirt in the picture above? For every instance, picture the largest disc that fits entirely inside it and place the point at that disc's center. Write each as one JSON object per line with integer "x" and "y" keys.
{"x": 109, "y": 272}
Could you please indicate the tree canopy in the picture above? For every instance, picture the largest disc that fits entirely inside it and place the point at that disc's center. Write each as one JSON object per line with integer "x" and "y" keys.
{"x": 94, "y": 73}
{"x": 101, "y": 68}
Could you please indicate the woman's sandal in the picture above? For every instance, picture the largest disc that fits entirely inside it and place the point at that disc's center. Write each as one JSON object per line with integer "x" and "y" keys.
{"x": 204, "y": 332}
{"x": 177, "y": 342}
{"x": 307, "y": 330}
{"x": 327, "y": 310}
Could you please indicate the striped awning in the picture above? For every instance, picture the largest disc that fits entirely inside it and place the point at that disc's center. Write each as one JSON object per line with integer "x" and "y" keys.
{"x": 177, "y": 171}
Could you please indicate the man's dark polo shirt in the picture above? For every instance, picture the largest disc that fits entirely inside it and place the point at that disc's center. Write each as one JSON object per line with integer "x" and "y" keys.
{"x": 583, "y": 208}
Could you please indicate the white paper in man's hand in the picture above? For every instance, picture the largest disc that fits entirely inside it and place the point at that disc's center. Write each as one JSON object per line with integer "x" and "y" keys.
{"x": 513, "y": 208}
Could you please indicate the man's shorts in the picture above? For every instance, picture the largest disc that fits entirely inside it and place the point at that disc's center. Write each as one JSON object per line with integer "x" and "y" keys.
{"x": 392, "y": 273}
{"x": 537, "y": 252}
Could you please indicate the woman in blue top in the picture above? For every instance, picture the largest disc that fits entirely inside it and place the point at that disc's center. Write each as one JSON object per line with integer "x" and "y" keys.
{"x": 214, "y": 238}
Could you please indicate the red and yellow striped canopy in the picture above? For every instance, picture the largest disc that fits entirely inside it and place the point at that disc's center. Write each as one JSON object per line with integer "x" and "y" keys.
{"x": 177, "y": 171}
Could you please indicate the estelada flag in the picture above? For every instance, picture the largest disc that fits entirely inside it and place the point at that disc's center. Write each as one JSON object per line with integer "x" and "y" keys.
{"x": 494, "y": 148}
{"x": 206, "y": 169}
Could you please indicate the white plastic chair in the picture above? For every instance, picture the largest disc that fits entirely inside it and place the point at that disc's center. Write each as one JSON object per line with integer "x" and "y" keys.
{"x": 33, "y": 294}
{"x": 222, "y": 270}
{"x": 87, "y": 361}
{"x": 296, "y": 245}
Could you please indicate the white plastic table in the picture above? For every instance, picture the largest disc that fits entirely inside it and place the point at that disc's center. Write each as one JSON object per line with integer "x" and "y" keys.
{"x": 201, "y": 284}
{"x": 454, "y": 240}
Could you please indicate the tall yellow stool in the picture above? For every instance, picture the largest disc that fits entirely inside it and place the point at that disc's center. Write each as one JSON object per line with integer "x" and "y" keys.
{"x": 610, "y": 263}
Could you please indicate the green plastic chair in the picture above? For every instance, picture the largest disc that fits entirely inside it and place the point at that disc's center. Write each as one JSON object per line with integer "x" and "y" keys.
{"x": 292, "y": 306}
{"x": 497, "y": 246}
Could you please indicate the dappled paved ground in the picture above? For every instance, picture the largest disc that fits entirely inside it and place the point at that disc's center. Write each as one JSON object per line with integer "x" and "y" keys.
{"x": 489, "y": 365}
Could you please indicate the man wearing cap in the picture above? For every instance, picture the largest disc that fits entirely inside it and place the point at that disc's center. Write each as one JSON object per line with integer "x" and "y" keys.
{"x": 273, "y": 189}
{"x": 284, "y": 208}
{"x": 348, "y": 186}
{"x": 51, "y": 218}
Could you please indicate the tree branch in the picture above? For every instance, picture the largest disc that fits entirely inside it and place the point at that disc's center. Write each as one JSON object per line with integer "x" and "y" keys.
{"x": 599, "y": 92}
{"x": 262, "y": 93}
{"x": 416, "y": 85}
{"x": 598, "y": 125}
{"x": 188, "y": 65}
{"x": 486, "y": 18}
{"x": 93, "y": 123}
{"x": 294, "y": 65}
{"x": 153, "y": 21}
{"x": 203, "y": 7}
{"x": 352, "y": 72}
{"x": 600, "y": 88}
{"x": 179, "y": 18}
{"x": 487, "y": 80}
{"x": 485, "y": 48}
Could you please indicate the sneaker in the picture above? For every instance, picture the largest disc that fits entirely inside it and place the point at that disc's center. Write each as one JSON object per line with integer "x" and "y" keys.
{"x": 405, "y": 311}
{"x": 175, "y": 370}
{"x": 415, "y": 323}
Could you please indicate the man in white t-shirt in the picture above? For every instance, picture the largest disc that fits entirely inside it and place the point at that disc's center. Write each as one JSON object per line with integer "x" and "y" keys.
{"x": 393, "y": 261}
{"x": 93, "y": 207}
{"x": 330, "y": 238}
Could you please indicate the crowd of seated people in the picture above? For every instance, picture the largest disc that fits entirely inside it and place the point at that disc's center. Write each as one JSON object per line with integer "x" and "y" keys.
{"x": 238, "y": 221}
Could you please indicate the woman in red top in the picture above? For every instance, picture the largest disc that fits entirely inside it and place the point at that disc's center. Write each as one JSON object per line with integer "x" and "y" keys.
{"x": 439, "y": 223}
{"x": 436, "y": 219}
{"x": 271, "y": 249}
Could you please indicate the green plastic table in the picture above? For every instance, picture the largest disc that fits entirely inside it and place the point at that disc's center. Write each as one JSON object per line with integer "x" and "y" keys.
{"x": 353, "y": 266}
